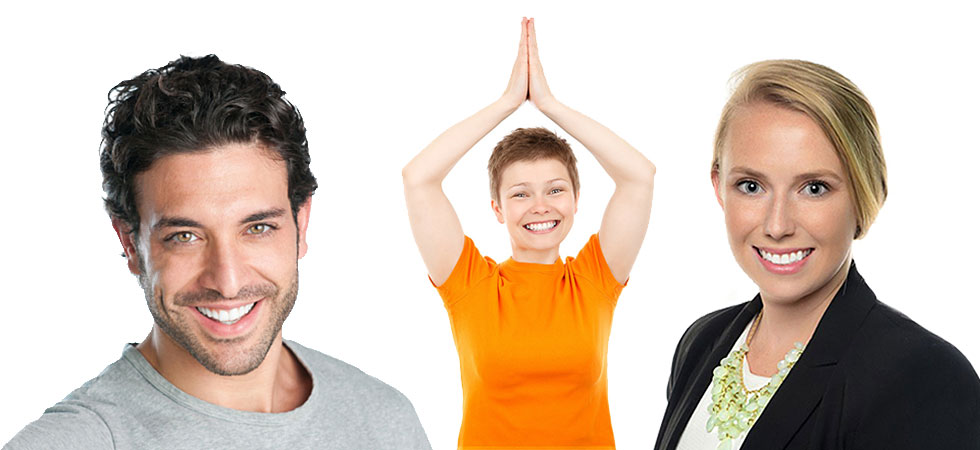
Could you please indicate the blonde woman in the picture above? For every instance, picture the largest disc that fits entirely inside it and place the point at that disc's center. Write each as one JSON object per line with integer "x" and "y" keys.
{"x": 814, "y": 361}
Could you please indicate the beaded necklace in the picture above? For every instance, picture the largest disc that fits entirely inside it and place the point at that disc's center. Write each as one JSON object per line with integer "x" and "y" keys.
{"x": 734, "y": 408}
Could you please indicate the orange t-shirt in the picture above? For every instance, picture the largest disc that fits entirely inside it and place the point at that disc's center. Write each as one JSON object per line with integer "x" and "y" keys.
{"x": 532, "y": 342}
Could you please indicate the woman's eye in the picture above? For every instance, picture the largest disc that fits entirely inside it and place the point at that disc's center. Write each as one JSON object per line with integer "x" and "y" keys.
{"x": 555, "y": 191}
{"x": 520, "y": 195}
{"x": 183, "y": 237}
{"x": 749, "y": 187}
{"x": 816, "y": 188}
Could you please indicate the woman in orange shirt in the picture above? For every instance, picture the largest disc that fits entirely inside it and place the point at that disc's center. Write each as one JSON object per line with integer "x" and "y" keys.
{"x": 531, "y": 332}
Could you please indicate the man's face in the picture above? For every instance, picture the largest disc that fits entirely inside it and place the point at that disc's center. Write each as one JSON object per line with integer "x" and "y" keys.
{"x": 216, "y": 253}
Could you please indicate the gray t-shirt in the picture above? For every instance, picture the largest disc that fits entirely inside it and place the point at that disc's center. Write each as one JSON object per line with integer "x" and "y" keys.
{"x": 130, "y": 405}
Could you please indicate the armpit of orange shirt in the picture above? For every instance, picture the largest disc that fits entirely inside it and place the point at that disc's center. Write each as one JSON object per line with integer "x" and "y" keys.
{"x": 532, "y": 342}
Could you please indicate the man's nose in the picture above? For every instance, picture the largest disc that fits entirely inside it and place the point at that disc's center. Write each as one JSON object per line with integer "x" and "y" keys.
{"x": 225, "y": 269}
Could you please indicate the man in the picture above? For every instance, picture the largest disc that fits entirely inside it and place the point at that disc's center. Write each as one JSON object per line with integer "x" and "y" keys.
{"x": 206, "y": 173}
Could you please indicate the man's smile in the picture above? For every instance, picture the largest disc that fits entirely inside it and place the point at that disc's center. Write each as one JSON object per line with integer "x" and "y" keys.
{"x": 226, "y": 316}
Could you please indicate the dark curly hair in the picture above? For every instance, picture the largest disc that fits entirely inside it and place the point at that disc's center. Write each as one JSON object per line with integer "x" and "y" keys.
{"x": 193, "y": 105}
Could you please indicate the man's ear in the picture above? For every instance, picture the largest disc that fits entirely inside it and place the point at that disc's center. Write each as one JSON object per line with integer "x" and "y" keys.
{"x": 496, "y": 210}
{"x": 126, "y": 239}
{"x": 716, "y": 182}
{"x": 302, "y": 223}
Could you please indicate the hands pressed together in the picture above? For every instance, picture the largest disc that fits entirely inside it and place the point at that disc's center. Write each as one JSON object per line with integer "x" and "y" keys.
{"x": 527, "y": 81}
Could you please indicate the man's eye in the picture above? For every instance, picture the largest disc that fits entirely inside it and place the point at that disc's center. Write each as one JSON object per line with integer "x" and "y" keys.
{"x": 259, "y": 228}
{"x": 183, "y": 237}
{"x": 749, "y": 187}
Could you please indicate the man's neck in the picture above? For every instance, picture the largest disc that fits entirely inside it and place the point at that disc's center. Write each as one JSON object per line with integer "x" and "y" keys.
{"x": 279, "y": 384}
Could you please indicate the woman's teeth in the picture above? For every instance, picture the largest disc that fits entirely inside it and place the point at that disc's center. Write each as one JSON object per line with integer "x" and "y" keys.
{"x": 785, "y": 258}
{"x": 541, "y": 226}
{"x": 226, "y": 316}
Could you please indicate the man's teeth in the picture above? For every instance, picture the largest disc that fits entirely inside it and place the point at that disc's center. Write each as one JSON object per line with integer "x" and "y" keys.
{"x": 785, "y": 258}
{"x": 226, "y": 316}
{"x": 541, "y": 226}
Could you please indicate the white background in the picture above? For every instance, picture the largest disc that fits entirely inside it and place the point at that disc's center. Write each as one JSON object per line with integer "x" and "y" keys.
{"x": 377, "y": 82}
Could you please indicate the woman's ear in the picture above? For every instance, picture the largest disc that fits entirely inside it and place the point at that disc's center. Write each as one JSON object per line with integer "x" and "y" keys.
{"x": 716, "y": 182}
{"x": 497, "y": 211}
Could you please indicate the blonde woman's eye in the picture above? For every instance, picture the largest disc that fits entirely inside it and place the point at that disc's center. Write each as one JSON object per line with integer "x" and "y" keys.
{"x": 556, "y": 191}
{"x": 816, "y": 188}
{"x": 520, "y": 195}
{"x": 749, "y": 187}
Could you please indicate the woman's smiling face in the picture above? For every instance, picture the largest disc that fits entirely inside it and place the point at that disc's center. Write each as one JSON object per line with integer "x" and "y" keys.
{"x": 787, "y": 203}
{"x": 538, "y": 205}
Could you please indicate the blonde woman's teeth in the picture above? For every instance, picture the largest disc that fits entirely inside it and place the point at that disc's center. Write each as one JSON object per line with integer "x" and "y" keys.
{"x": 785, "y": 258}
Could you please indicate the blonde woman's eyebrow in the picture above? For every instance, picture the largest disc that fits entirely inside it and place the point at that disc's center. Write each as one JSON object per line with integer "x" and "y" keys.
{"x": 745, "y": 171}
{"x": 819, "y": 174}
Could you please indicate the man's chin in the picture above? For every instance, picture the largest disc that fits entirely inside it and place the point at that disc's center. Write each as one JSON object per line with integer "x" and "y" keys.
{"x": 236, "y": 359}
{"x": 226, "y": 357}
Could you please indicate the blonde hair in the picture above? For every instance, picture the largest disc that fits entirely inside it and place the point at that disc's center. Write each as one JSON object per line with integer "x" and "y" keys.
{"x": 836, "y": 105}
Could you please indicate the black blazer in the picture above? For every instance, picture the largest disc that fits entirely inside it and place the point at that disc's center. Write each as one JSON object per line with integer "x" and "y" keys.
{"x": 870, "y": 378}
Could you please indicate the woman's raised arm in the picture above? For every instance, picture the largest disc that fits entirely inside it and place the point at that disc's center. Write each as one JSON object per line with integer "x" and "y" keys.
{"x": 435, "y": 225}
{"x": 624, "y": 224}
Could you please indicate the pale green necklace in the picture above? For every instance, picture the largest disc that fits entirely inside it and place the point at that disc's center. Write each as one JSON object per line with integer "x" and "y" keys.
{"x": 734, "y": 408}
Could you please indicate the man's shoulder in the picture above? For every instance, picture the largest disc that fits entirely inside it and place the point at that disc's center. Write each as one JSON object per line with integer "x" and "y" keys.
{"x": 379, "y": 415}
{"x": 79, "y": 420}
{"x": 336, "y": 378}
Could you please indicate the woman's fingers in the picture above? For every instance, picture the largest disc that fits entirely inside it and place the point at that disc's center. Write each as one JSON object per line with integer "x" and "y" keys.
{"x": 532, "y": 41}
{"x": 517, "y": 86}
{"x": 538, "y": 90}
{"x": 522, "y": 48}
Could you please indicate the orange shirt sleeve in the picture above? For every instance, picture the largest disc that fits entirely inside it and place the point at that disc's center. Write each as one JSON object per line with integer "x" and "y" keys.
{"x": 470, "y": 269}
{"x": 591, "y": 265}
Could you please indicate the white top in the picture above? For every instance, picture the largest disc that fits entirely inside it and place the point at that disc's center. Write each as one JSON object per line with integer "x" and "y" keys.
{"x": 695, "y": 437}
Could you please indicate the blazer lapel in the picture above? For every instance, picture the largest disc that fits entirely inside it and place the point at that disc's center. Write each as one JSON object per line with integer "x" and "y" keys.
{"x": 805, "y": 385}
{"x": 690, "y": 397}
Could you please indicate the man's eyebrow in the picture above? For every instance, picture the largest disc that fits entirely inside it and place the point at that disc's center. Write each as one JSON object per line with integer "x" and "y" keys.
{"x": 176, "y": 222}
{"x": 263, "y": 215}
{"x": 184, "y": 222}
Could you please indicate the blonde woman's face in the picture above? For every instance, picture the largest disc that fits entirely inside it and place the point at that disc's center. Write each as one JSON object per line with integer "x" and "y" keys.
{"x": 787, "y": 203}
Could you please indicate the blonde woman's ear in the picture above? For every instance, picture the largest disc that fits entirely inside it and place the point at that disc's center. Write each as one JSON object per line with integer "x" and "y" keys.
{"x": 716, "y": 183}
